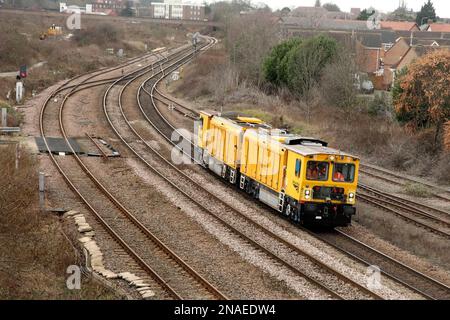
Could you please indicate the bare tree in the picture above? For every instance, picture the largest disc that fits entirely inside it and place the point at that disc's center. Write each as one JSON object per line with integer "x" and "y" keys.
{"x": 249, "y": 39}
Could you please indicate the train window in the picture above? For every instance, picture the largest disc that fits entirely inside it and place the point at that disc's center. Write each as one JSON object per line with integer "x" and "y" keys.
{"x": 298, "y": 167}
{"x": 317, "y": 171}
{"x": 344, "y": 172}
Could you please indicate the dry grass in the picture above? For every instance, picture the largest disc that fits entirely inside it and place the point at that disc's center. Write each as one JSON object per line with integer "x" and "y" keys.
{"x": 417, "y": 190}
{"x": 34, "y": 254}
{"x": 442, "y": 170}
{"x": 86, "y": 51}
{"x": 14, "y": 118}
{"x": 411, "y": 238}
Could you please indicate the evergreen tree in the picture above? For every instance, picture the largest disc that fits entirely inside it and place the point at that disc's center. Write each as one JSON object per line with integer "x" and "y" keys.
{"x": 318, "y": 4}
{"x": 426, "y": 13}
{"x": 365, "y": 14}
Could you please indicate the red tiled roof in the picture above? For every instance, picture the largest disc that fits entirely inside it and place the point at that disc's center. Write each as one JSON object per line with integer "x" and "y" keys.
{"x": 398, "y": 25}
{"x": 440, "y": 27}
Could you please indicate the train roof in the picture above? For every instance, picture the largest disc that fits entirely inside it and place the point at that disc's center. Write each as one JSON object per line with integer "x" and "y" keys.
{"x": 304, "y": 146}
{"x": 239, "y": 118}
{"x": 312, "y": 149}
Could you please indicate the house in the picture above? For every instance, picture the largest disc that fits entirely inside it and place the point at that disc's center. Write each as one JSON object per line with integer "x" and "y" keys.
{"x": 110, "y": 7}
{"x": 321, "y": 13}
{"x": 355, "y": 12}
{"x": 395, "y": 54}
{"x": 399, "y": 26}
{"x": 405, "y": 51}
{"x": 307, "y": 12}
{"x": 439, "y": 27}
{"x": 368, "y": 59}
{"x": 290, "y": 24}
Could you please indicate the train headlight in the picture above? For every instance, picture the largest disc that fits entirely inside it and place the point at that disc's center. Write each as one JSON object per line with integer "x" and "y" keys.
{"x": 351, "y": 196}
{"x": 307, "y": 194}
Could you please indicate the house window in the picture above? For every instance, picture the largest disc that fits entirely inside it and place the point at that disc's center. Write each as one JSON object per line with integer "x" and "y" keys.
{"x": 387, "y": 46}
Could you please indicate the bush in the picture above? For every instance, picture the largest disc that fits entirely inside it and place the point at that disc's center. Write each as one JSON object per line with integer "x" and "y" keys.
{"x": 338, "y": 82}
{"x": 275, "y": 67}
{"x": 101, "y": 35}
{"x": 299, "y": 64}
{"x": 442, "y": 170}
{"x": 380, "y": 106}
{"x": 306, "y": 62}
{"x": 14, "y": 118}
{"x": 14, "y": 50}
{"x": 422, "y": 95}
{"x": 417, "y": 190}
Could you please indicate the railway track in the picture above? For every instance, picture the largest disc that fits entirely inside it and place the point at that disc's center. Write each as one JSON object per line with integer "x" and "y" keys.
{"x": 433, "y": 219}
{"x": 415, "y": 280}
{"x": 162, "y": 268}
{"x": 401, "y": 180}
{"x": 225, "y": 214}
{"x": 391, "y": 268}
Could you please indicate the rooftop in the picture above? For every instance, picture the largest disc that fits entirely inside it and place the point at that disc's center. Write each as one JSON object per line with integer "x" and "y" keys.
{"x": 440, "y": 27}
{"x": 398, "y": 25}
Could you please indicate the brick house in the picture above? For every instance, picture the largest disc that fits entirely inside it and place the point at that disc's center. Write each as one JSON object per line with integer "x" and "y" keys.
{"x": 405, "y": 51}
{"x": 110, "y": 7}
{"x": 439, "y": 27}
{"x": 399, "y": 26}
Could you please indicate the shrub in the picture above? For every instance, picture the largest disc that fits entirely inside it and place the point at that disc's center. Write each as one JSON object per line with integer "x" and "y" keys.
{"x": 307, "y": 61}
{"x": 101, "y": 35}
{"x": 14, "y": 49}
{"x": 380, "y": 105}
{"x": 275, "y": 67}
{"x": 338, "y": 82}
{"x": 14, "y": 118}
{"x": 422, "y": 95}
{"x": 417, "y": 190}
{"x": 442, "y": 169}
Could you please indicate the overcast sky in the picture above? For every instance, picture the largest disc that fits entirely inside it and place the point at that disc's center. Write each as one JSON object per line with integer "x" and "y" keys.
{"x": 442, "y": 6}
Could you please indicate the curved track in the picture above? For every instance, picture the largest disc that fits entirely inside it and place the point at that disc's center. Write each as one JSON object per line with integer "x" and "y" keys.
{"x": 133, "y": 237}
{"x": 225, "y": 214}
{"x": 390, "y": 267}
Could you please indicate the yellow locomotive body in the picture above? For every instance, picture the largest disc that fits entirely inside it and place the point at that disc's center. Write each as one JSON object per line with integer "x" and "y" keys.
{"x": 299, "y": 177}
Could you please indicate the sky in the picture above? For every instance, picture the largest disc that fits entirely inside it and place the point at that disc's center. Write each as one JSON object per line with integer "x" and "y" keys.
{"x": 442, "y": 6}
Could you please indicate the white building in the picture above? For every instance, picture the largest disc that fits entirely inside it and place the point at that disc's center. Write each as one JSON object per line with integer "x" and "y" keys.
{"x": 63, "y": 7}
{"x": 176, "y": 9}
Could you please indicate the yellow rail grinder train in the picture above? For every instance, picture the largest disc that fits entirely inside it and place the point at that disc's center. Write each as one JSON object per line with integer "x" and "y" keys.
{"x": 299, "y": 177}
